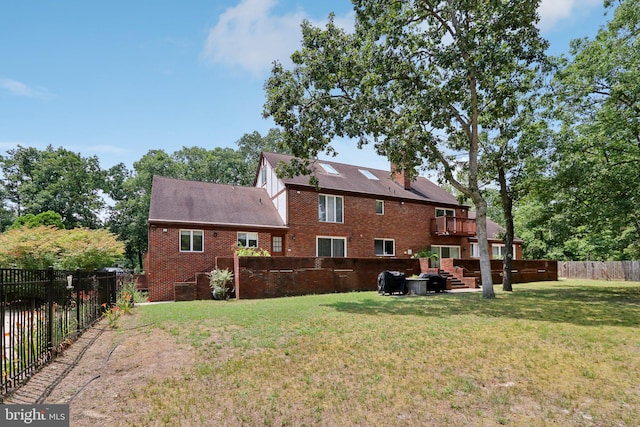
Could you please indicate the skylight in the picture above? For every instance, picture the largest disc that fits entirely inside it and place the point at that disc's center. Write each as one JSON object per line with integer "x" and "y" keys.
{"x": 368, "y": 174}
{"x": 329, "y": 169}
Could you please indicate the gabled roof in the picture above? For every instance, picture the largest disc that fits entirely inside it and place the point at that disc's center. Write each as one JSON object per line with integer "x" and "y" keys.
{"x": 494, "y": 230}
{"x": 351, "y": 179}
{"x": 181, "y": 201}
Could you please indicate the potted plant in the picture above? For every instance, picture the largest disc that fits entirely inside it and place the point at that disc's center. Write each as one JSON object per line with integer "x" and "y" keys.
{"x": 426, "y": 253}
{"x": 218, "y": 281}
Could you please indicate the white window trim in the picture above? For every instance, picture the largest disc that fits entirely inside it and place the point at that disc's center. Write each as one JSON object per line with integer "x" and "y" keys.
{"x": 248, "y": 233}
{"x": 263, "y": 176}
{"x": 190, "y": 240}
{"x": 475, "y": 253}
{"x": 334, "y": 208}
{"x": 502, "y": 246}
{"x": 434, "y": 247}
{"x": 281, "y": 244}
{"x": 383, "y": 246}
{"x": 377, "y": 213}
{"x": 332, "y": 238}
{"x": 329, "y": 169}
{"x": 368, "y": 174}
{"x": 445, "y": 212}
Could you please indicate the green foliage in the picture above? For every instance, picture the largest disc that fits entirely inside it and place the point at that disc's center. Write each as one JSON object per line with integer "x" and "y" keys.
{"x": 426, "y": 253}
{"x": 45, "y": 218}
{"x": 44, "y": 246}
{"x": 244, "y": 251}
{"x": 252, "y": 144}
{"x": 130, "y": 288}
{"x": 586, "y": 204}
{"x": 55, "y": 180}
{"x": 422, "y": 81}
{"x": 112, "y": 314}
{"x": 581, "y": 336}
{"x": 132, "y": 191}
{"x": 219, "y": 281}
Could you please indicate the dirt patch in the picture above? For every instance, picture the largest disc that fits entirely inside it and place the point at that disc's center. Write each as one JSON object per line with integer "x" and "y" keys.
{"x": 98, "y": 373}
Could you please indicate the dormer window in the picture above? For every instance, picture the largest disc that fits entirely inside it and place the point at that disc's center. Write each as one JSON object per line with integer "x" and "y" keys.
{"x": 329, "y": 169}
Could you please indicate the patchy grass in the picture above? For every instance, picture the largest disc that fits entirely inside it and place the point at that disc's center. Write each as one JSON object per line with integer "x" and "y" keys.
{"x": 563, "y": 353}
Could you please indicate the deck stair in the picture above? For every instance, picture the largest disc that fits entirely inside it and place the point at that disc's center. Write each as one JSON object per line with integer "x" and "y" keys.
{"x": 452, "y": 281}
{"x": 457, "y": 277}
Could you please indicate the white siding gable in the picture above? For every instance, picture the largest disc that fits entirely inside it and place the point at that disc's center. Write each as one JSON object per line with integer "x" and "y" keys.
{"x": 268, "y": 179}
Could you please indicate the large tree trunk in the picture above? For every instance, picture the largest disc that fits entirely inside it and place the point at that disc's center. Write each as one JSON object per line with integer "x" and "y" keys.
{"x": 507, "y": 208}
{"x": 483, "y": 245}
{"x": 474, "y": 190}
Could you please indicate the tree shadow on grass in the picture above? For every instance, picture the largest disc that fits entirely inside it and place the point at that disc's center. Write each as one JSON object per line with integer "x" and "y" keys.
{"x": 579, "y": 305}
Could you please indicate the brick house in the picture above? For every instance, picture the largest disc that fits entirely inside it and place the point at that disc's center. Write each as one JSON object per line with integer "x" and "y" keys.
{"x": 355, "y": 212}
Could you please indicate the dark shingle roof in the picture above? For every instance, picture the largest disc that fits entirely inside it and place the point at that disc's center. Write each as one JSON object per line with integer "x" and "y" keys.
{"x": 494, "y": 230}
{"x": 175, "y": 200}
{"x": 351, "y": 179}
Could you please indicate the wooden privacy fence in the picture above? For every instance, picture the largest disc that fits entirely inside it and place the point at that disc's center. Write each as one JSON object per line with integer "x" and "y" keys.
{"x": 600, "y": 270}
{"x": 40, "y": 311}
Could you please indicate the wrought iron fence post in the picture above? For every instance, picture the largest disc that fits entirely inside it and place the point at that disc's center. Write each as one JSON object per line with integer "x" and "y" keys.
{"x": 51, "y": 282}
{"x": 112, "y": 282}
{"x": 4, "y": 385}
{"x": 76, "y": 289}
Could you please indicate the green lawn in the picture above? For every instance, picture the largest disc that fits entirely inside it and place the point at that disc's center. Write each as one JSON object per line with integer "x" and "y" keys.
{"x": 555, "y": 353}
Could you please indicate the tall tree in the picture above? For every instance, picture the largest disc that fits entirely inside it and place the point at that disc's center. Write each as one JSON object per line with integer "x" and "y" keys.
{"x": 252, "y": 144}
{"x": 131, "y": 191}
{"x": 128, "y": 217}
{"x": 422, "y": 80}
{"x": 513, "y": 155}
{"x": 597, "y": 102}
{"x": 222, "y": 165}
{"x": 55, "y": 180}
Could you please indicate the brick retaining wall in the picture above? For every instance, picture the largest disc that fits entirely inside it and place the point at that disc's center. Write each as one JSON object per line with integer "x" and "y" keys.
{"x": 523, "y": 271}
{"x": 273, "y": 277}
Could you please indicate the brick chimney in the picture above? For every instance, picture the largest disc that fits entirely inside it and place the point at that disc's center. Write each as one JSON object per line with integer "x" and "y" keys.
{"x": 400, "y": 177}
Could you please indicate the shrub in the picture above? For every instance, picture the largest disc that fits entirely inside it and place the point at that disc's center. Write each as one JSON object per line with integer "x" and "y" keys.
{"x": 44, "y": 246}
{"x": 242, "y": 251}
{"x": 218, "y": 281}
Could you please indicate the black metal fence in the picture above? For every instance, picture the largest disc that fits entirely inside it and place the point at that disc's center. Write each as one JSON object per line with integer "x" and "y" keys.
{"x": 41, "y": 311}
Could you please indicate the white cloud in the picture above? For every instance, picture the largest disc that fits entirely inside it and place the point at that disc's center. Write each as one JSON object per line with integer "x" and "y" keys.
{"x": 553, "y": 11}
{"x": 249, "y": 35}
{"x": 21, "y": 89}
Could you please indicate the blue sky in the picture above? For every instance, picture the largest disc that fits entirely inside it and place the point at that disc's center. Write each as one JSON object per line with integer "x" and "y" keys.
{"x": 118, "y": 78}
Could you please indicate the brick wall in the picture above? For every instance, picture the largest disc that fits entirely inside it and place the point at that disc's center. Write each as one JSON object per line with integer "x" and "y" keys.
{"x": 523, "y": 271}
{"x": 167, "y": 265}
{"x": 408, "y": 223}
{"x": 272, "y": 277}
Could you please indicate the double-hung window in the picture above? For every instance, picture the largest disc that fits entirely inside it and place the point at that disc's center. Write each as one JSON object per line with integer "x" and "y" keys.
{"x": 248, "y": 240}
{"x": 384, "y": 247}
{"x": 335, "y": 247}
{"x": 330, "y": 208}
{"x": 191, "y": 241}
